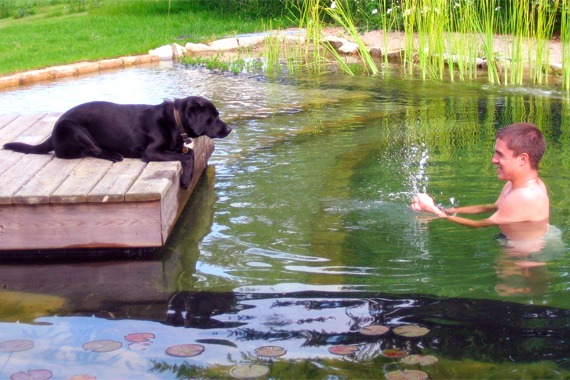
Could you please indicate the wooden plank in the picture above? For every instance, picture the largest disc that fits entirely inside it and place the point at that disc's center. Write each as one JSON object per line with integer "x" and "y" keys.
{"x": 80, "y": 225}
{"x": 40, "y": 130}
{"x": 8, "y": 159}
{"x": 154, "y": 182}
{"x": 20, "y": 173}
{"x": 203, "y": 147}
{"x": 45, "y": 182}
{"x": 117, "y": 181}
{"x": 170, "y": 206}
{"x": 18, "y": 127}
{"x": 81, "y": 181}
{"x": 6, "y": 119}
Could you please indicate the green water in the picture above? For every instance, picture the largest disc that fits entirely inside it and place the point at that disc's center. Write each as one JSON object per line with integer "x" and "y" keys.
{"x": 318, "y": 196}
{"x": 299, "y": 234}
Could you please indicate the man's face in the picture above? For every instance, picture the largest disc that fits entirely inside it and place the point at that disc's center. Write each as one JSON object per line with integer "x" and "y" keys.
{"x": 505, "y": 160}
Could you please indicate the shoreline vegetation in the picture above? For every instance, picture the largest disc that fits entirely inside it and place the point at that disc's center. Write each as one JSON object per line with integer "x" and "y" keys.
{"x": 506, "y": 42}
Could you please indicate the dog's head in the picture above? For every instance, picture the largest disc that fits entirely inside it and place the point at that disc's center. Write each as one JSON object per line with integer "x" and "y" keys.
{"x": 200, "y": 117}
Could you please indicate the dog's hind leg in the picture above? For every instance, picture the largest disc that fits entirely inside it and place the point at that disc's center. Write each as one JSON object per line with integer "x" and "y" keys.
{"x": 72, "y": 141}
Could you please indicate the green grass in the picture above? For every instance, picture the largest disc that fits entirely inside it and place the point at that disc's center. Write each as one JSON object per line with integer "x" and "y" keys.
{"x": 56, "y": 33}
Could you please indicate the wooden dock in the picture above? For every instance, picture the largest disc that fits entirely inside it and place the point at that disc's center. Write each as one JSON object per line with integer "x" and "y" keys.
{"x": 47, "y": 203}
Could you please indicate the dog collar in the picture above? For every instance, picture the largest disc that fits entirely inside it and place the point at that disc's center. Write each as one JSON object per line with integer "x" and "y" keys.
{"x": 187, "y": 139}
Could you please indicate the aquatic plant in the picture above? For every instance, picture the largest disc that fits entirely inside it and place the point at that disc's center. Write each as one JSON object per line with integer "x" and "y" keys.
{"x": 459, "y": 36}
{"x": 341, "y": 15}
{"x": 565, "y": 40}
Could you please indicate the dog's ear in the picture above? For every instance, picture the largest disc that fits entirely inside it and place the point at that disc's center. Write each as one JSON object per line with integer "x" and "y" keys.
{"x": 193, "y": 114}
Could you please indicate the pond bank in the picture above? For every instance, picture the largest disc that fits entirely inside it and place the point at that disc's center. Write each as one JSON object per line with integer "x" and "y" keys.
{"x": 379, "y": 45}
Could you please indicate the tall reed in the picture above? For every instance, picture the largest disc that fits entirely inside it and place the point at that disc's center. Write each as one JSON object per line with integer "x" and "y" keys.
{"x": 449, "y": 39}
{"x": 565, "y": 40}
{"x": 485, "y": 24}
{"x": 542, "y": 22}
{"x": 341, "y": 14}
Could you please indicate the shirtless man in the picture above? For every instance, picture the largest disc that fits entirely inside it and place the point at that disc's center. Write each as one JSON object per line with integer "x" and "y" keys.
{"x": 522, "y": 210}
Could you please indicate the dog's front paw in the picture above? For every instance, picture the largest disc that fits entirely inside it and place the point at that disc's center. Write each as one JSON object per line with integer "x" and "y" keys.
{"x": 186, "y": 177}
{"x": 185, "y": 182}
{"x": 187, "y": 170}
{"x": 112, "y": 156}
{"x": 116, "y": 157}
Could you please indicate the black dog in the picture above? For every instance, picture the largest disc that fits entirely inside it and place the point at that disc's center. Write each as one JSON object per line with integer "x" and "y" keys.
{"x": 151, "y": 132}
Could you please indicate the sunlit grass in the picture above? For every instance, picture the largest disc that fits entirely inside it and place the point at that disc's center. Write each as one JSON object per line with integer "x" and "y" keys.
{"x": 112, "y": 29}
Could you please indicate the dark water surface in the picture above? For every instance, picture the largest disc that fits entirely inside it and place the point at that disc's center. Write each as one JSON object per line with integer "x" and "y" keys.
{"x": 299, "y": 235}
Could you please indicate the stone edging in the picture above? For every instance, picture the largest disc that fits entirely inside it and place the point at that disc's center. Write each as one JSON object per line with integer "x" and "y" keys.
{"x": 75, "y": 69}
{"x": 167, "y": 52}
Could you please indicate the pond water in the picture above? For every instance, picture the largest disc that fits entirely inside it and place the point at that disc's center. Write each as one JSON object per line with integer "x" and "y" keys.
{"x": 299, "y": 235}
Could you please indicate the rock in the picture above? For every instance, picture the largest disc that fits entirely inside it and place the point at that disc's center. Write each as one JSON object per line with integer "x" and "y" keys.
{"x": 86, "y": 67}
{"x": 375, "y": 52}
{"x": 9, "y": 81}
{"x": 164, "y": 53}
{"x": 34, "y": 76}
{"x": 556, "y": 68}
{"x": 107, "y": 64}
{"x": 192, "y": 48}
{"x": 348, "y": 48}
{"x": 130, "y": 61}
{"x": 250, "y": 40}
{"x": 335, "y": 42}
{"x": 294, "y": 39}
{"x": 225, "y": 44}
{"x": 178, "y": 51}
{"x": 395, "y": 55}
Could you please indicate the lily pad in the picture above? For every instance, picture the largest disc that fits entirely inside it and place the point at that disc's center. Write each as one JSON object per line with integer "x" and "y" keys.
{"x": 185, "y": 350}
{"x": 343, "y": 350}
{"x": 81, "y": 377}
{"x": 139, "y": 346}
{"x": 270, "y": 351}
{"x": 249, "y": 371}
{"x": 102, "y": 345}
{"x": 16, "y": 345}
{"x": 420, "y": 359}
{"x": 32, "y": 374}
{"x": 374, "y": 330}
{"x": 139, "y": 337}
{"x": 394, "y": 353}
{"x": 411, "y": 331}
{"x": 411, "y": 374}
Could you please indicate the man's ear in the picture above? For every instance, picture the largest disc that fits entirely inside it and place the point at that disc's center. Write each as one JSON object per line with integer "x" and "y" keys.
{"x": 524, "y": 159}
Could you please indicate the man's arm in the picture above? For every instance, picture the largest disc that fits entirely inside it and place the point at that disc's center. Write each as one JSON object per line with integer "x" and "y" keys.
{"x": 478, "y": 209}
{"x": 423, "y": 202}
{"x": 469, "y": 222}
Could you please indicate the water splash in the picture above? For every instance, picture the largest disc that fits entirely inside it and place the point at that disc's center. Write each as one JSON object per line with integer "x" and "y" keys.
{"x": 415, "y": 164}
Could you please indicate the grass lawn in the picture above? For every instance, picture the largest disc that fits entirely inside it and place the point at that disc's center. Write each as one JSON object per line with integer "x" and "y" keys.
{"x": 108, "y": 29}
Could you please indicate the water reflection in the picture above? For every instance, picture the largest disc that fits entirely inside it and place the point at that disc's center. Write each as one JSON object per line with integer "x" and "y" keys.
{"x": 523, "y": 267}
{"x": 299, "y": 235}
{"x": 230, "y": 327}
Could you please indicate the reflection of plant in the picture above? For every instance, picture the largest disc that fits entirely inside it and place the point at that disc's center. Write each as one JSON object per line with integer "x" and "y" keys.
{"x": 182, "y": 371}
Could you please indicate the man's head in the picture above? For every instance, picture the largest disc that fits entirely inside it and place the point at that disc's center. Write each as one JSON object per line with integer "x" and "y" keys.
{"x": 524, "y": 138}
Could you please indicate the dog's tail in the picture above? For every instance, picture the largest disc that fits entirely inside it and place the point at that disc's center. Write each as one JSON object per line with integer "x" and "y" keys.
{"x": 43, "y": 148}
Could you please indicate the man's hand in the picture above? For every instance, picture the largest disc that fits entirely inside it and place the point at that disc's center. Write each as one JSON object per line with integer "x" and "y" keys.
{"x": 423, "y": 202}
